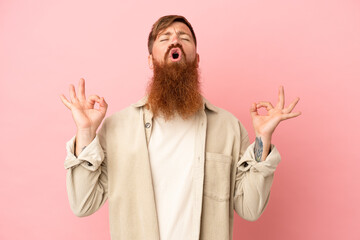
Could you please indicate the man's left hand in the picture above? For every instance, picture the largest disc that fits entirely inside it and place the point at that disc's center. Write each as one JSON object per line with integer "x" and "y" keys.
{"x": 264, "y": 125}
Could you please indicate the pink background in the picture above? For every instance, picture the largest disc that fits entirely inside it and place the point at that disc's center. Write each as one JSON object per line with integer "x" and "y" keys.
{"x": 247, "y": 48}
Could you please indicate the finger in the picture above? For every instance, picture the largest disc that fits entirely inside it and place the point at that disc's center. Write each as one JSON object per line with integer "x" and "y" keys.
{"x": 65, "y": 101}
{"x": 93, "y": 99}
{"x": 72, "y": 93}
{"x": 281, "y": 101}
{"x": 103, "y": 105}
{"x": 290, "y": 115}
{"x": 81, "y": 90}
{"x": 253, "y": 110}
{"x": 291, "y": 106}
{"x": 267, "y": 105}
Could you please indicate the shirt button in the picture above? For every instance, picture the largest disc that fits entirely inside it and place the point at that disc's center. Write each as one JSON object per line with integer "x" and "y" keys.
{"x": 89, "y": 164}
{"x": 147, "y": 125}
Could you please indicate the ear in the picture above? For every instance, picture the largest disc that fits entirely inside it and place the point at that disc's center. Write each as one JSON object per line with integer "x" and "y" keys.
{"x": 150, "y": 62}
{"x": 197, "y": 59}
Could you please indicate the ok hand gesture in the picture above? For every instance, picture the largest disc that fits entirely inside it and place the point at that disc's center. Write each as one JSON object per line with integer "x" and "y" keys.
{"x": 86, "y": 117}
{"x": 265, "y": 125}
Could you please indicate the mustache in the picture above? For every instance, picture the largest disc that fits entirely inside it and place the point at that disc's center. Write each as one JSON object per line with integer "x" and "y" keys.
{"x": 174, "y": 46}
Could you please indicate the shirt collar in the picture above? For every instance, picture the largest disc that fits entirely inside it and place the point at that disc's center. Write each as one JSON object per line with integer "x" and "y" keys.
{"x": 206, "y": 103}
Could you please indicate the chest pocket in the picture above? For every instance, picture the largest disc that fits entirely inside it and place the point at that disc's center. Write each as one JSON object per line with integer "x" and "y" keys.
{"x": 217, "y": 176}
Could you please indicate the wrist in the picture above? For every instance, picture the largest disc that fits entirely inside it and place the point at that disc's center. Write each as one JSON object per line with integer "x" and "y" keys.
{"x": 85, "y": 136}
{"x": 264, "y": 137}
{"x": 262, "y": 147}
{"x": 85, "y": 132}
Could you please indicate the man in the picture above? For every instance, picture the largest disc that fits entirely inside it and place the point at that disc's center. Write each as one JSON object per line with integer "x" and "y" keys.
{"x": 172, "y": 165}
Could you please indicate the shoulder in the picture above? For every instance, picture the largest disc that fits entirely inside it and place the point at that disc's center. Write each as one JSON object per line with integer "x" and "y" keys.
{"x": 220, "y": 117}
{"x": 218, "y": 113}
{"x": 128, "y": 114}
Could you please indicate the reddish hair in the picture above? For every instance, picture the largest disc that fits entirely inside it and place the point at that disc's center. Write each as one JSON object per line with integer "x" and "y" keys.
{"x": 163, "y": 23}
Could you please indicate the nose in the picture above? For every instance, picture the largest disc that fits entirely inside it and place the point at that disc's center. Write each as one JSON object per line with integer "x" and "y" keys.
{"x": 175, "y": 39}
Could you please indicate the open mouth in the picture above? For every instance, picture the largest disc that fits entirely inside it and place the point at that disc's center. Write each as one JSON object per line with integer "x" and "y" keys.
{"x": 175, "y": 54}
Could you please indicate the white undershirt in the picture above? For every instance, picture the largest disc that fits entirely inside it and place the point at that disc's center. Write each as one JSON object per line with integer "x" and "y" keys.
{"x": 172, "y": 153}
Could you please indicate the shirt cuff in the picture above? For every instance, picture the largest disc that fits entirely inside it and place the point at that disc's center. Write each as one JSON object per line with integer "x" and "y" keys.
{"x": 90, "y": 158}
{"x": 266, "y": 167}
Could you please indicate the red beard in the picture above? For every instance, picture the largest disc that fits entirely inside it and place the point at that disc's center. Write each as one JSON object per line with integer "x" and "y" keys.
{"x": 175, "y": 88}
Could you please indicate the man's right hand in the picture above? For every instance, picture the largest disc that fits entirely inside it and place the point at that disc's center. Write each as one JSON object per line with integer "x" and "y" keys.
{"x": 86, "y": 117}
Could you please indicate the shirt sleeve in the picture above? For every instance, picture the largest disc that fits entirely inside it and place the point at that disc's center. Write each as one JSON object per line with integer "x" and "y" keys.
{"x": 86, "y": 176}
{"x": 90, "y": 158}
{"x": 253, "y": 180}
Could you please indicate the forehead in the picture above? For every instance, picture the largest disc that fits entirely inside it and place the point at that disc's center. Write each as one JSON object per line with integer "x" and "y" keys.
{"x": 176, "y": 27}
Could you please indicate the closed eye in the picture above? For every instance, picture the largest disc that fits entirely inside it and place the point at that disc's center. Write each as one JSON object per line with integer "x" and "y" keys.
{"x": 163, "y": 40}
{"x": 185, "y": 39}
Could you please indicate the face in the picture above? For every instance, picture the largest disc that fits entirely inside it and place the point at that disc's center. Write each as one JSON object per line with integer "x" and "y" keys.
{"x": 165, "y": 45}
